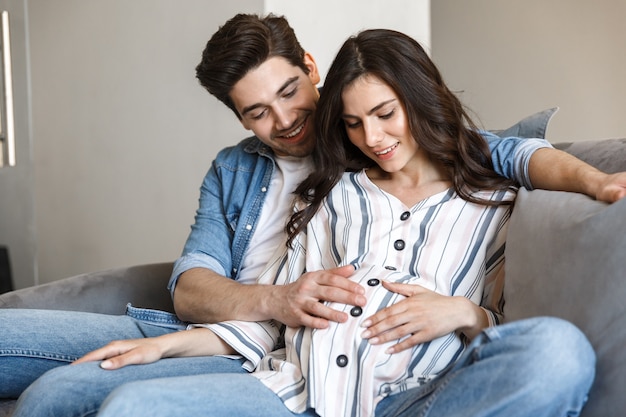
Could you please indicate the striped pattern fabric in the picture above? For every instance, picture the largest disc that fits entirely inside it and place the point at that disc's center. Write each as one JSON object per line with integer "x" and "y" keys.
{"x": 443, "y": 243}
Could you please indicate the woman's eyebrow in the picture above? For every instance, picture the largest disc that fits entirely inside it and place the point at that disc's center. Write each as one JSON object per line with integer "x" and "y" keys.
{"x": 373, "y": 110}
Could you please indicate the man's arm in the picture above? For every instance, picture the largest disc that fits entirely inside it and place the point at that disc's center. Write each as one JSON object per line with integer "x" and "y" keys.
{"x": 534, "y": 163}
{"x": 201, "y": 286}
{"x": 556, "y": 170}
{"x": 203, "y": 296}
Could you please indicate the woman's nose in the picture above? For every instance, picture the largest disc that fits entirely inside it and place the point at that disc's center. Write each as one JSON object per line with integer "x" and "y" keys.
{"x": 373, "y": 135}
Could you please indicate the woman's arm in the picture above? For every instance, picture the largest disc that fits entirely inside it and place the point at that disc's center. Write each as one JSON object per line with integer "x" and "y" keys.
{"x": 193, "y": 342}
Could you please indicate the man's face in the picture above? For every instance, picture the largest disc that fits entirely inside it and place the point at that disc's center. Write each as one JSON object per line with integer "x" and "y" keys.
{"x": 277, "y": 102}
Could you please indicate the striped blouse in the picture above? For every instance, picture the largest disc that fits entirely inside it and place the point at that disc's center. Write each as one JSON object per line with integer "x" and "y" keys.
{"x": 443, "y": 243}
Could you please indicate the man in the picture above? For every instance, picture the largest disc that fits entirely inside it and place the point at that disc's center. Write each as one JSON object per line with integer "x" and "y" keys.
{"x": 257, "y": 68}
{"x": 277, "y": 103}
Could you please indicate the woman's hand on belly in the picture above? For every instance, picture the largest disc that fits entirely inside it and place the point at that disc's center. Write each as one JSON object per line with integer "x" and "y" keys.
{"x": 423, "y": 315}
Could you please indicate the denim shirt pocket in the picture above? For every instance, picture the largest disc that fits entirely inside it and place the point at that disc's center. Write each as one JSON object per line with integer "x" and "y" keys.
{"x": 155, "y": 317}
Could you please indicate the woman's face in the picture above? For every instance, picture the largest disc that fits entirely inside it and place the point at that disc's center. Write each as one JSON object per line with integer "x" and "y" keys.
{"x": 376, "y": 123}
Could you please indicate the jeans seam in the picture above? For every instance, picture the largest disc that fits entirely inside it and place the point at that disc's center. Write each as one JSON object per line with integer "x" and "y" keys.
{"x": 37, "y": 354}
{"x": 432, "y": 397}
{"x": 90, "y": 413}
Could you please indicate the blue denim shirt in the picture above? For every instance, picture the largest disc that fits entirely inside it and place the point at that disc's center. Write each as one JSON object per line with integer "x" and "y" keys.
{"x": 234, "y": 189}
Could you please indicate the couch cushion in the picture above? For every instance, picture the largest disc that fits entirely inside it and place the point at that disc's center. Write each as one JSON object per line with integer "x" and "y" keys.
{"x": 566, "y": 257}
{"x": 105, "y": 291}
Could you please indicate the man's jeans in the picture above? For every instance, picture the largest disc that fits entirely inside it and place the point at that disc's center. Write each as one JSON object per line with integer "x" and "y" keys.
{"x": 536, "y": 367}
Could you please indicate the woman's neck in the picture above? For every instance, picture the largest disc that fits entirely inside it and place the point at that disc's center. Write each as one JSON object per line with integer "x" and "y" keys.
{"x": 418, "y": 180}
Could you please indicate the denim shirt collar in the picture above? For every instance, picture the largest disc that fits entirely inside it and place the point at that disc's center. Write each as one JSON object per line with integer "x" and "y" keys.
{"x": 255, "y": 145}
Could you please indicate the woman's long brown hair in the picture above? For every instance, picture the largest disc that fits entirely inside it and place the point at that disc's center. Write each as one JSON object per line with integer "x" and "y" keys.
{"x": 437, "y": 121}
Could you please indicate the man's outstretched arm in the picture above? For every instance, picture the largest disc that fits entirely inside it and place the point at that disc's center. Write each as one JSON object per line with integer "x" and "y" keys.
{"x": 556, "y": 170}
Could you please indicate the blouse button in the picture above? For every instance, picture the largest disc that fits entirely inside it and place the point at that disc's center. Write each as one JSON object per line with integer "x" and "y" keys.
{"x": 373, "y": 282}
{"x": 342, "y": 361}
{"x": 390, "y": 268}
{"x": 405, "y": 215}
{"x": 398, "y": 244}
{"x": 356, "y": 311}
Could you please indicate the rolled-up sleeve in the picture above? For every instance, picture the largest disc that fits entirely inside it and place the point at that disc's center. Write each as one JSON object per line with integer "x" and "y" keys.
{"x": 209, "y": 243}
{"x": 511, "y": 156}
{"x": 193, "y": 260}
{"x": 252, "y": 340}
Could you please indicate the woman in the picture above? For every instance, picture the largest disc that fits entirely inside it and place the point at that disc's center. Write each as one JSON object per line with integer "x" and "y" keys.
{"x": 418, "y": 180}
{"x": 422, "y": 187}
{"x": 420, "y": 183}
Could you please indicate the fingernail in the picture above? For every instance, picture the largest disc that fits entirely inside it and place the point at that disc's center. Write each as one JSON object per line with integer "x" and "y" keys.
{"x": 373, "y": 340}
{"x": 105, "y": 364}
{"x": 366, "y": 334}
{"x": 390, "y": 350}
{"x": 366, "y": 323}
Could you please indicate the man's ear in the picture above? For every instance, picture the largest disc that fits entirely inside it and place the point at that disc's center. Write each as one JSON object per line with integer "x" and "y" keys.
{"x": 314, "y": 74}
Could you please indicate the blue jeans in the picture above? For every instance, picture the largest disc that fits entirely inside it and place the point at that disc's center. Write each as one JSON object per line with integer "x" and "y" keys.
{"x": 536, "y": 367}
{"x": 35, "y": 341}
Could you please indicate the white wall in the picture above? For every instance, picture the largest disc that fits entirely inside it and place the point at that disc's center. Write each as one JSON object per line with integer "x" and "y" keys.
{"x": 322, "y": 26}
{"x": 123, "y": 133}
{"x": 512, "y": 58}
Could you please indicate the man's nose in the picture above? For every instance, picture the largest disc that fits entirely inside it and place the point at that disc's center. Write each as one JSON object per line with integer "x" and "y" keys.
{"x": 283, "y": 117}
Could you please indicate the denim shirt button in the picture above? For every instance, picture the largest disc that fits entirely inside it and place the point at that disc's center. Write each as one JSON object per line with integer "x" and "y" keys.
{"x": 248, "y": 227}
{"x": 263, "y": 189}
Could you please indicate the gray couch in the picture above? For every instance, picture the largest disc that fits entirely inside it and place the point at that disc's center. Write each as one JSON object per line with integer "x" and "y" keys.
{"x": 566, "y": 257}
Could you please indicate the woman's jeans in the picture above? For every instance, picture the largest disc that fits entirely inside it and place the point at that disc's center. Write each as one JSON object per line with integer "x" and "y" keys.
{"x": 536, "y": 367}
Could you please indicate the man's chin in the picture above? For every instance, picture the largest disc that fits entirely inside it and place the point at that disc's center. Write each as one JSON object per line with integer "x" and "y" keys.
{"x": 299, "y": 150}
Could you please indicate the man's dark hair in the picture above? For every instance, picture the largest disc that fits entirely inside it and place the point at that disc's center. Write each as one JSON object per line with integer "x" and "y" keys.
{"x": 242, "y": 44}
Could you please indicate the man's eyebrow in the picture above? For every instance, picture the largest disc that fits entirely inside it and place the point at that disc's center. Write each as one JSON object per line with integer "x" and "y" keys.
{"x": 287, "y": 84}
{"x": 282, "y": 88}
{"x": 373, "y": 110}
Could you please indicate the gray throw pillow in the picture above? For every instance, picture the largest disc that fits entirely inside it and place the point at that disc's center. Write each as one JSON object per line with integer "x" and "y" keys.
{"x": 533, "y": 126}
